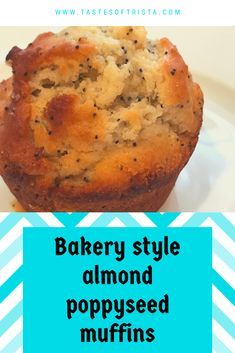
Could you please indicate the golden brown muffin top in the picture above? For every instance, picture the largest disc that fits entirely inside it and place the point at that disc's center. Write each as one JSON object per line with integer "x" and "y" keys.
{"x": 98, "y": 109}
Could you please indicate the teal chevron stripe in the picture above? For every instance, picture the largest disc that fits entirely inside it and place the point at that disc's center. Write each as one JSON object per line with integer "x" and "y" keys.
{"x": 70, "y": 220}
{"x": 219, "y": 346}
{"x": 198, "y": 218}
{"x": 106, "y": 218}
{"x": 14, "y": 345}
{"x": 11, "y": 284}
{"x": 10, "y": 252}
{"x": 162, "y": 220}
{"x": 35, "y": 219}
{"x": 223, "y": 287}
{"x": 224, "y": 321}
{"x": 8, "y": 223}
{"x": 10, "y": 318}
{"x": 6, "y": 219}
{"x": 224, "y": 223}
{"x": 223, "y": 254}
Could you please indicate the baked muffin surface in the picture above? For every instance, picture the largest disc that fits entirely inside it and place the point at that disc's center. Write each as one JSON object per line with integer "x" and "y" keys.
{"x": 97, "y": 119}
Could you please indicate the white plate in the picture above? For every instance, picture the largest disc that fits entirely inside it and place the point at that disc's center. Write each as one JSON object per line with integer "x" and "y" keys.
{"x": 207, "y": 182}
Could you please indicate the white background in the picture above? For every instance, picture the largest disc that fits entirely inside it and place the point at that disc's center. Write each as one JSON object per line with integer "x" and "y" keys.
{"x": 195, "y": 12}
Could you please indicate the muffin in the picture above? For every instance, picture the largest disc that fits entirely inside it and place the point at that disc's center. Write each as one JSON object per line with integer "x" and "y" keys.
{"x": 97, "y": 119}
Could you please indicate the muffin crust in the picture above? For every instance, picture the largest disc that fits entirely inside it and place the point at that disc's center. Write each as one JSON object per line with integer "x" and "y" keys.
{"x": 97, "y": 118}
